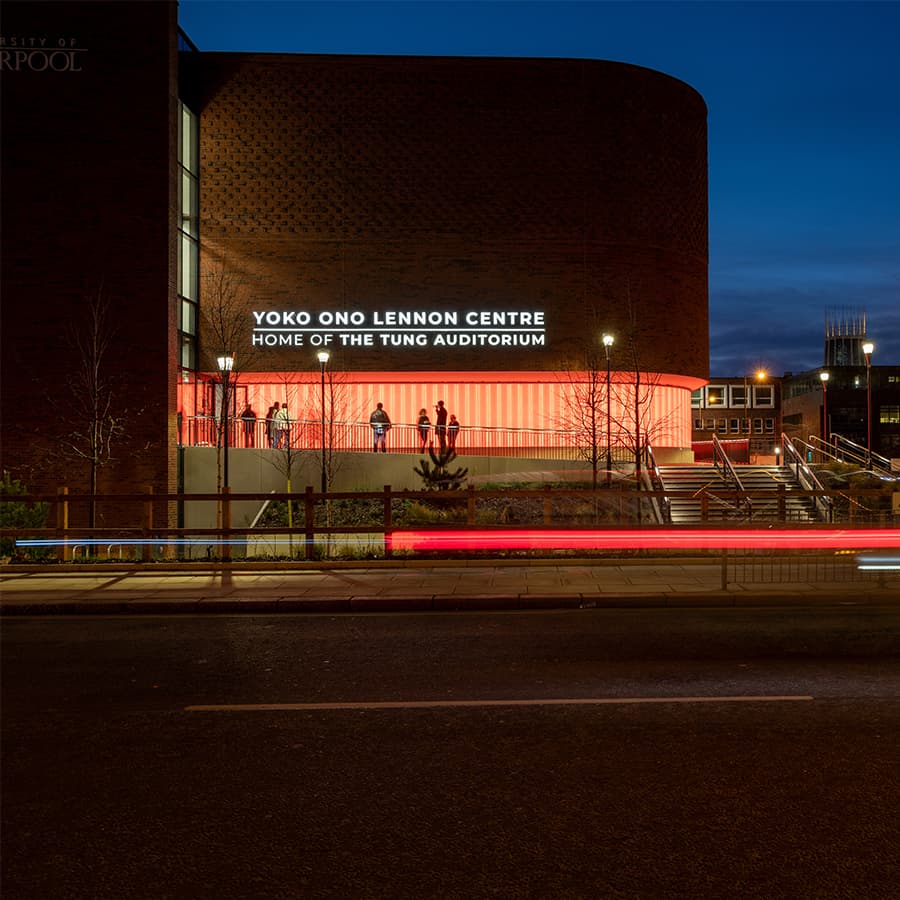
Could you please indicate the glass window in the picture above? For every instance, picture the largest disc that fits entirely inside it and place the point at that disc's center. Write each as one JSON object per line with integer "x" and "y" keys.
{"x": 188, "y": 352}
{"x": 738, "y": 395}
{"x": 723, "y": 426}
{"x": 770, "y": 426}
{"x": 889, "y": 415}
{"x": 697, "y": 398}
{"x": 709, "y": 425}
{"x": 698, "y": 424}
{"x": 757, "y": 426}
{"x": 764, "y": 395}
{"x": 735, "y": 426}
{"x": 715, "y": 395}
{"x": 189, "y": 268}
{"x": 189, "y": 204}
{"x": 188, "y": 317}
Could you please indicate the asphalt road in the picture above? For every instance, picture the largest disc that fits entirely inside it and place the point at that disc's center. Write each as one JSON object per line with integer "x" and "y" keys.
{"x": 595, "y": 753}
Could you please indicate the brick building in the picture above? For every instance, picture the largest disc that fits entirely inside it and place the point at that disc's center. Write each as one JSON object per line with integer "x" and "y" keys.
{"x": 444, "y": 227}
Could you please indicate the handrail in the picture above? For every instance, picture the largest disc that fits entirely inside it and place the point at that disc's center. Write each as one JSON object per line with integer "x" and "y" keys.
{"x": 808, "y": 480}
{"x": 664, "y": 509}
{"x": 860, "y": 455}
{"x": 205, "y": 431}
{"x": 730, "y": 472}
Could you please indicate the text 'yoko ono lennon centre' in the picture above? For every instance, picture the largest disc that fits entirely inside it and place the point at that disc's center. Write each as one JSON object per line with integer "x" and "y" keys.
{"x": 462, "y": 229}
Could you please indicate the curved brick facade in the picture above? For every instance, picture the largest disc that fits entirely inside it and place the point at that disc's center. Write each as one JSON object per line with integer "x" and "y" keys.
{"x": 575, "y": 188}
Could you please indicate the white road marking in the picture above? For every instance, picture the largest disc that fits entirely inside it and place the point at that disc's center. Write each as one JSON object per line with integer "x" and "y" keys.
{"x": 442, "y": 704}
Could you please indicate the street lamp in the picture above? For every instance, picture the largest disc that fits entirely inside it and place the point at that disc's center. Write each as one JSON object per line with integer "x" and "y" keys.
{"x": 323, "y": 359}
{"x": 225, "y": 363}
{"x": 608, "y": 341}
{"x": 868, "y": 349}
{"x": 824, "y": 376}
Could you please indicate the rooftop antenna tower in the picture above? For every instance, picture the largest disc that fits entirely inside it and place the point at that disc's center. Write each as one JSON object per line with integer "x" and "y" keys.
{"x": 845, "y": 333}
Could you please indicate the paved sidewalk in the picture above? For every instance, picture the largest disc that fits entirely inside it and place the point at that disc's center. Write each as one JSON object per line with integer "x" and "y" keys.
{"x": 408, "y": 586}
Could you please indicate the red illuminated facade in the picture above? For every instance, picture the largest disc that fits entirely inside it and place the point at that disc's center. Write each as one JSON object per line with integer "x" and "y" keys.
{"x": 457, "y": 229}
{"x": 448, "y": 228}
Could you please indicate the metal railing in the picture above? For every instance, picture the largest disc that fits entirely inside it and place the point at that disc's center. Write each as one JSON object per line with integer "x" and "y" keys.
{"x": 661, "y": 502}
{"x": 306, "y": 434}
{"x": 729, "y": 473}
{"x": 842, "y": 449}
{"x": 807, "y": 479}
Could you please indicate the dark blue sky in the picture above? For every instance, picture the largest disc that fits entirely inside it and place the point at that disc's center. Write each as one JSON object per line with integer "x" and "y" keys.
{"x": 804, "y": 134}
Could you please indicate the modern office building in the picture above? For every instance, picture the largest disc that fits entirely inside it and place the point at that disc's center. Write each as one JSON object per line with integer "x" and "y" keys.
{"x": 463, "y": 229}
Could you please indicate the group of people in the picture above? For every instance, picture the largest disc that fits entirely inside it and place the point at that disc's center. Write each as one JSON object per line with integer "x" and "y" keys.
{"x": 278, "y": 427}
{"x": 446, "y": 428}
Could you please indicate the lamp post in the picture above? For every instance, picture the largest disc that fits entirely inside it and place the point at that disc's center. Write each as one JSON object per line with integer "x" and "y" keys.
{"x": 608, "y": 341}
{"x": 868, "y": 349}
{"x": 323, "y": 359}
{"x": 225, "y": 363}
{"x": 824, "y": 376}
{"x": 748, "y": 403}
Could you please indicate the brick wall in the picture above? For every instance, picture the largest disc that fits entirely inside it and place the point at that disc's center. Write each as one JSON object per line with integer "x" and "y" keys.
{"x": 421, "y": 183}
{"x": 88, "y": 206}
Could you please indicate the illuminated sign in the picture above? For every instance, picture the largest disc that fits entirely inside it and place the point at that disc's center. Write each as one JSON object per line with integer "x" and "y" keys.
{"x": 399, "y": 328}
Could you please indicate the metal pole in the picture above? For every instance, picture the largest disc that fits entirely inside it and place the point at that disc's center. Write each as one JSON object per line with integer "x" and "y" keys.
{"x": 868, "y": 348}
{"x": 608, "y": 340}
{"x": 608, "y": 424}
{"x": 324, "y": 480}
{"x": 225, "y": 425}
{"x": 868, "y": 412}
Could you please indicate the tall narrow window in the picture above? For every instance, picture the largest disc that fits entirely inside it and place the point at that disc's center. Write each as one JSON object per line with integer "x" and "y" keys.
{"x": 189, "y": 235}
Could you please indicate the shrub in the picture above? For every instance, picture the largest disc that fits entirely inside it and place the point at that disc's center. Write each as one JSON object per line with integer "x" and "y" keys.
{"x": 15, "y": 514}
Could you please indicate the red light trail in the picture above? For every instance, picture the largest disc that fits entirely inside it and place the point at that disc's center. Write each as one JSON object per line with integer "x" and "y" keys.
{"x": 650, "y": 539}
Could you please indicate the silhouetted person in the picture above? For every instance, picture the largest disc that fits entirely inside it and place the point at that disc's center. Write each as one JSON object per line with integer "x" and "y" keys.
{"x": 283, "y": 428}
{"x": 270, "y": 423}
{"x": 249, "y": 419}
{"x": 452, "y": 431}
{"x": 440, "y": 425}
{"x": 381, "y": 425}
{"x": 424, "y": 426}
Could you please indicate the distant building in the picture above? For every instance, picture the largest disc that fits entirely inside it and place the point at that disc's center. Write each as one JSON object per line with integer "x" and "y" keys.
{"x": 838, "y": 403}
{"x": 845, "y": 401}
{"x": 738, "y": 408}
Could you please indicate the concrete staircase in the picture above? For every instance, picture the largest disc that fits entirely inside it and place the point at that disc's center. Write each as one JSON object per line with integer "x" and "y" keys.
{"x": 693, "y": 481}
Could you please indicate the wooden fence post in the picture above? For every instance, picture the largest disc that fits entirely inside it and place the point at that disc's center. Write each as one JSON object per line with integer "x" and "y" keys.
{"x": 63, "y": 551}
{"x": 226, "y": 524}
{"x": 147, "y": 526}
{"x": 388, "y": 523}
{"x": 309, "y": 521}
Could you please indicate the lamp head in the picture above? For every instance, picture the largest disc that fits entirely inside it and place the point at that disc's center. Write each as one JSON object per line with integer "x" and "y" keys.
{"x": 868, "y": 348}
{"x": 323, "y": 356}
{"x": 824, "y": 376}
{"x": 225, "y": 362}
{"x": 608, "y": 340}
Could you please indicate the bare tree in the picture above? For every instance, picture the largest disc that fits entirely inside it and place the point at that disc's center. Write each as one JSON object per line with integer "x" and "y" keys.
{"x": 94, "y": 419}
{"x": 641, "y": 420}
{"x": 585, "y": 399}
{"x": 287, "y": 451}
{"x": 223, "y": 311}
